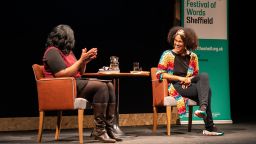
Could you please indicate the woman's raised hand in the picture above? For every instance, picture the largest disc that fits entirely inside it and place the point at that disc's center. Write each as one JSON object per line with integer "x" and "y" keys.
{"x": 87, "y": 56}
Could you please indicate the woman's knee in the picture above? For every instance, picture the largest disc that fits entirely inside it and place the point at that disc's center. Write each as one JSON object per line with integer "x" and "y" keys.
{"x": 98, "y": 86}
{"x": 104, "y": 87}
{"x": 110, "y": 85}
{"x": 101, "y": 95}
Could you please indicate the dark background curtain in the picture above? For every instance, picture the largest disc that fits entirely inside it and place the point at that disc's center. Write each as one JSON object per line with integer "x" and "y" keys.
{"x": 131, "y": 30}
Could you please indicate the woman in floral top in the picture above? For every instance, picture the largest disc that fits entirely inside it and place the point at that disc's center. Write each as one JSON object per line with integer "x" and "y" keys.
{"x": 179, "y": 66}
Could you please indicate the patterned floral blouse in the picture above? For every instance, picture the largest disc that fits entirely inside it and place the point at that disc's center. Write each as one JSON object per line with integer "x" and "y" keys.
{"x": 166, "y": 65}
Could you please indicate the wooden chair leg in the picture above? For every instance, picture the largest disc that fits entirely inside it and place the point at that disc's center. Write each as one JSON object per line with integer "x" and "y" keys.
{"x": 58, "y": 125}
{"x": 169, "y": 116}
{"x": 155, "y": 118}
{"x": 41, "y": 124}
{"x": 80, "y": 125}
{"x": 190, "y": 118}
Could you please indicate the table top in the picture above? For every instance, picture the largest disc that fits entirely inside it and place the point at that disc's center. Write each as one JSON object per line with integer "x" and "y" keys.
{"x": 121, "y": 74}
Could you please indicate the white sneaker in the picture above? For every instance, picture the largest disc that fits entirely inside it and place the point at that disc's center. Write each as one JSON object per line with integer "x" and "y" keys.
{"x": 200, "y": 113}
{"x": 208, "y": 133}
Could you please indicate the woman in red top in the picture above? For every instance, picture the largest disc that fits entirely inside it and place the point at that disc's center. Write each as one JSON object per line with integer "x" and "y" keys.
{"x": 60, "y": 61}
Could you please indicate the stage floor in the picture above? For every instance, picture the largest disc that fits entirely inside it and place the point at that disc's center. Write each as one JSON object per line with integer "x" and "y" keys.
{"x": 242, "y": 133}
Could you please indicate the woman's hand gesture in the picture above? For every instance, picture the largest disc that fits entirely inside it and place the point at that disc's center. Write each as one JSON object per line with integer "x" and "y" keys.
{"x": 87, "y": 56}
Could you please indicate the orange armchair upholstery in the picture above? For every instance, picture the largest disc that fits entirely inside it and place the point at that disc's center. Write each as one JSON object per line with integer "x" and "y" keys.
{"x": 57, "y": 94}
{"x": 162, "y": 98}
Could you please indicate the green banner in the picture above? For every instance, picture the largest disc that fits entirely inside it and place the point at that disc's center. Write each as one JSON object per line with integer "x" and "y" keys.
{"x": 209, "y": 20}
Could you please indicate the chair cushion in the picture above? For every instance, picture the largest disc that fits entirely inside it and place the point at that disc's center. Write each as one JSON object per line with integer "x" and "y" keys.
{"x": 80, "y": 103}
{"x": 169, "y": 100}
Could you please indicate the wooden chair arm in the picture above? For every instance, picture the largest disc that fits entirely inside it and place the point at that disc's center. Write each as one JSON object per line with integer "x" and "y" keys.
{"x": 56, "y": 93}
{"x": 159, "y": 90}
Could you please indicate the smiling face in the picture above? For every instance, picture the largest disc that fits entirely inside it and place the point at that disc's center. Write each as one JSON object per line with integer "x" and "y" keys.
{"x": 179, "y": 45}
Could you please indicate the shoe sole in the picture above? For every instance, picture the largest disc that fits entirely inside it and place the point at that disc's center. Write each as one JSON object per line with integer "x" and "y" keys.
{"x": 200, "y": 115}
{"x": 207, "y": 133}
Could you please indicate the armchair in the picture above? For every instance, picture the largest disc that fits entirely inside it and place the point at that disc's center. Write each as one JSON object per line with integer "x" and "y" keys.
{"x": 57, "y": 94}
{"x": 161, "y": 98}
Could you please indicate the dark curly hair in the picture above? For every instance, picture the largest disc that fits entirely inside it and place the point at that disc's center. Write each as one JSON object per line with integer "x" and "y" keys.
{"x": 62, "y": 37}
{"x": 189, "y": 38}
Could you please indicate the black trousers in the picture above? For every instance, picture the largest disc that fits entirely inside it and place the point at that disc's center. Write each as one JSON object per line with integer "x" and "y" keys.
{"x": 199, "y": 91}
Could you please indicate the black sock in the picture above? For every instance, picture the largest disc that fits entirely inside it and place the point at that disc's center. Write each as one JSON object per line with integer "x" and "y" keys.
{"x": 203, "y": 107}
{"x": 210, "y": 128}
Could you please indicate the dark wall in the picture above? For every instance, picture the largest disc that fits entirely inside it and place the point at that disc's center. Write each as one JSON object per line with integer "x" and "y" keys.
{"x": 131, "y": 30}
{"x": 242, "y": 59}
